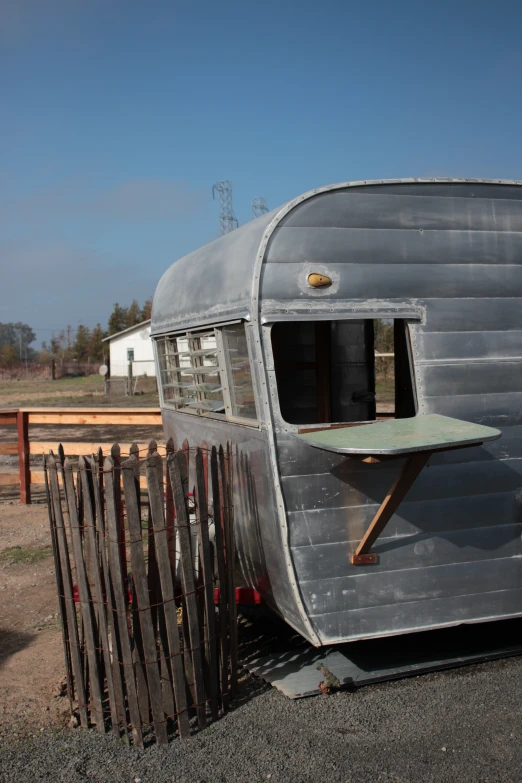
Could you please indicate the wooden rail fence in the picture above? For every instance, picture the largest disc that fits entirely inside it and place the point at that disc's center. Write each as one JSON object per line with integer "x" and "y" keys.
{"x": 146, "y": 647}
{"x": 25, "y": 447}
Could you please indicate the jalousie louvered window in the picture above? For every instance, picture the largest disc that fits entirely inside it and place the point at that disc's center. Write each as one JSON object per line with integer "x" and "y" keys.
{"x": 190, "y": 376}
{"x": 208, "y": 373}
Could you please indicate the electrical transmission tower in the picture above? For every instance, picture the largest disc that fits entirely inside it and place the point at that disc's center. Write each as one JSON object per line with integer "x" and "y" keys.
{"x": 227, "y": 219}
{"x": 259, "y": 206}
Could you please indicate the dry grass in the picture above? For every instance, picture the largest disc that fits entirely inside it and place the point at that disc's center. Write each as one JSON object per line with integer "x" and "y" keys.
{"x": 25, "y": 555}
{"x": 85, "y": 392}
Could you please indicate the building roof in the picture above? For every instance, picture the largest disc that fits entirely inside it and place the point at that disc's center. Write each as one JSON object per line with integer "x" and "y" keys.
{"x": 126, "y": 331}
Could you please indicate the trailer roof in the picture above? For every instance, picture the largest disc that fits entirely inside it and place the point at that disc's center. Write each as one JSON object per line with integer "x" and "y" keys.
{"x": 218, "y": 282}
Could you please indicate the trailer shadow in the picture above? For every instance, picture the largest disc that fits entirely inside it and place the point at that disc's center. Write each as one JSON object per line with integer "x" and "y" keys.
{"x": 276, "y": 654}
{"x": 12, "y": 642}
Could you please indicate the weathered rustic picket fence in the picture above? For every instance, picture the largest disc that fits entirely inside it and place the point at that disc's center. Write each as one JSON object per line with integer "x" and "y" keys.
{"x": 137, "y": 571}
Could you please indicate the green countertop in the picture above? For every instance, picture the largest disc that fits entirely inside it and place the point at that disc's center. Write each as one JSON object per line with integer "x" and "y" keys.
{"x": 430, "y": 432}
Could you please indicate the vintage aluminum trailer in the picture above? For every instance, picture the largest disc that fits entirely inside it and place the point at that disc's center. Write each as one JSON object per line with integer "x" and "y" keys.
{"x": 268, "y": 331}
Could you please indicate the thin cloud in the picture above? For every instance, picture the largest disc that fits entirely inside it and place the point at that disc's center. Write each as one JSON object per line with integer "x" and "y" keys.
{"x": 135, "y": 200}
{"x": 150, "y": 198}
{"x": 68, "y": 284}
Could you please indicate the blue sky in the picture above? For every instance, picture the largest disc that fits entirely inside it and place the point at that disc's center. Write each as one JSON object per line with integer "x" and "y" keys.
{"x": 119, "y": 115}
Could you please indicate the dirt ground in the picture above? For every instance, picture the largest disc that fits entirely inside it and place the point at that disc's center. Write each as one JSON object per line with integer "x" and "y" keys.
{"x": 31, "y": 653}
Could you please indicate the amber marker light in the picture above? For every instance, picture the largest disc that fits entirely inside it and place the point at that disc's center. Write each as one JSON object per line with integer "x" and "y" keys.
{"x": 318, "y": 281}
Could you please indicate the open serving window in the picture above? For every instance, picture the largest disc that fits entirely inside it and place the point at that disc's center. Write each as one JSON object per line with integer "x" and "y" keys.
{"x": 343, "y": 371}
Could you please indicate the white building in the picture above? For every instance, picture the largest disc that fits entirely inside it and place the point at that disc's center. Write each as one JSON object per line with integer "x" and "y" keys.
{"x": 132, "y": 345}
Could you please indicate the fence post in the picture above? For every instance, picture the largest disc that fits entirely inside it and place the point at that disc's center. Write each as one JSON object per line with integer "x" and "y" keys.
{"x": 24, "y": 467}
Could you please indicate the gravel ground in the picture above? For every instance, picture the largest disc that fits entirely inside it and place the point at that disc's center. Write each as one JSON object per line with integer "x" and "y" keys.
{"x": 461, "y": 725}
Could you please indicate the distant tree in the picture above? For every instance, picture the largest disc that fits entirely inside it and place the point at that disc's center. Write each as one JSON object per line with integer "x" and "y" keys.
{"x": 383, "y": 336}
{"x": 69, "y": 340}
{"x": 44, "y": 355}
{"x": 55, "y": 347}
{"x": 134, "y": 314}
{"x": 117, "y": 319}
{"x": 62, "y": 343}
{"x": 80, "y": 348}
{"x": 147, "y": 309}
{"x": 8, "y": 355}
{"x": 96, "y": 347}
{"x": 20, "y": 336}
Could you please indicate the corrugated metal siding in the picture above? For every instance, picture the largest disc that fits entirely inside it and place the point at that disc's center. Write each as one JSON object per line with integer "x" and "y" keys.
{"x": 453, "y": 552}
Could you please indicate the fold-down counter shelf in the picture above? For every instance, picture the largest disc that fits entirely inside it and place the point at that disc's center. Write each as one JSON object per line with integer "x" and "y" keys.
{"x": 416, "y": 439}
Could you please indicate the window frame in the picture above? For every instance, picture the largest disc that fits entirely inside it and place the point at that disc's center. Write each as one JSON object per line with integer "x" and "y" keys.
{"x": 223, "y": 370}
{"x": 409, "y": 318}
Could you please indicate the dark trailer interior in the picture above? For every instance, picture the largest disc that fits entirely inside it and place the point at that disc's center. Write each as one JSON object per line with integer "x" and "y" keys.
{"x": 326, "y": 371}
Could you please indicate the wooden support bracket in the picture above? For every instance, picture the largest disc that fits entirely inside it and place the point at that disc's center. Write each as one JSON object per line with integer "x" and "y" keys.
{"x": 411, "y": 469}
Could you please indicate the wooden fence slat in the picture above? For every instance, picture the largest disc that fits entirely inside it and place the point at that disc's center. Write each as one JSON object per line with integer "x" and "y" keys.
{"x": 116, "y": 476}
{"x": 171, "y": 545}
{"x": 11, "y": 479}
{"x": 10, "y": 448}
{"x": 95, "y": 418}
{"x": 167, "y": 588}
{"x": 159, "y": 610}
{"x": 183, "y": 464}
{"x": 229, "y": 564}
{"x": 140, "y": 583}
{"x": 116, "y": 456}
{"x": 87, "y": 479}
{"x": 138, "y": 649}
{"x": 218, "y": 532}
{"x": 169, "y": 511}
{"x": 81, "y": 634}
{"x": 96, "y": 484}
{"x": 24, "y": 467}
{"x": 117, "y": 674}
{"x": 206, "y": 458}
{"x": 72, "y": 624}
{"x": 244, "y": 512}
{"x": 81, "y": 410}
{"x": 117, "y": 677}
{"x": 60, "y": 589}
{"x": 169, "y": 706}
{"x": 231, "y": 559}
{"x": 208, "y": 582}
{"x": 116, "y": 578}
{"x": 189, "y": 583}
{"x": 99, "y": 474}
{"x": 138, "y": 655}
{"x": 153, "y": 574}
{"x": 86, "y": 606}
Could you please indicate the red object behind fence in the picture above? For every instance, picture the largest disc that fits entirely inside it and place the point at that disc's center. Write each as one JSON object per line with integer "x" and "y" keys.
{"x": 244, "y": 595}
